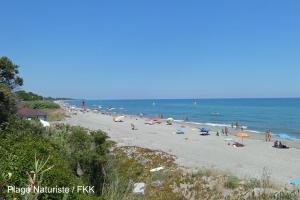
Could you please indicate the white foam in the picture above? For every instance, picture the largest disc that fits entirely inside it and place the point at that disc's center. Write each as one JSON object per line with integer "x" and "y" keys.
{"x": 253, "y": 131}
{"x": 209, "y": 124}
{"x": 285, "y": 136}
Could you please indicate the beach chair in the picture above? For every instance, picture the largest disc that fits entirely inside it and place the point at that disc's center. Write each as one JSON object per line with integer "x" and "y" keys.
{"x": 204, "y": 131}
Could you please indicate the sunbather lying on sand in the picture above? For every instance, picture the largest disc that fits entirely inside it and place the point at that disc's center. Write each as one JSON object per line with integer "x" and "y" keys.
{"x": 237, "y": 144}
{"x": 279, "y": 145}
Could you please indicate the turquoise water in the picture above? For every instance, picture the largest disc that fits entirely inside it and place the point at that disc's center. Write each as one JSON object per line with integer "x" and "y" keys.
{"x": 281, "y": 116}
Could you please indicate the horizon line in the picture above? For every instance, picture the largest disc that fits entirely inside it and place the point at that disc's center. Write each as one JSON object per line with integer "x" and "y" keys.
{"x": 203, "y": 98}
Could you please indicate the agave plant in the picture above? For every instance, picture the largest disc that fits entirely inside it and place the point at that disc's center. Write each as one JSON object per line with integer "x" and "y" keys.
{"x": 35, "y": 177}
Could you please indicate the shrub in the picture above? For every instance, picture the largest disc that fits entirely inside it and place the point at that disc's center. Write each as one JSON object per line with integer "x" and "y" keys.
{"x": 65, "y": 146}
{"x": 232, "y": 182}
{"x": 28, "y": 96}
{"x": 41, "y": 105}
{"x": 18, "y": 152}
{"x": 7, "y": 103}
{"x": 253, "y": 183}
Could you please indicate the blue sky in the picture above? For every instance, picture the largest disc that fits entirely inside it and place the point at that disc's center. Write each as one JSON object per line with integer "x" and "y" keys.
{"x": 154, "y": 49}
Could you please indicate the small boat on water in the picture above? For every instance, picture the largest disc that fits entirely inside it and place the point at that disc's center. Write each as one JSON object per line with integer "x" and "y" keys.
{"x": 215, "y": 114}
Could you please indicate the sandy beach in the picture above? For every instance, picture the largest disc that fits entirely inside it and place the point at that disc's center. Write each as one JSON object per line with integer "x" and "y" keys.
{"x": 195, "y": 151}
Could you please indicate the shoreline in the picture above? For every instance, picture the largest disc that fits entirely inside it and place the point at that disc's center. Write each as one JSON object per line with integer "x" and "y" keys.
{"x": 195, "y": 151}
{"x": 280, "y": 135}
{"x": 256, "y": 135}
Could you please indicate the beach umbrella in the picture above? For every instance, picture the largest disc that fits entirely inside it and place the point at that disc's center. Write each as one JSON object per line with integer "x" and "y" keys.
{"x": 170, "y": 121}
{"x": 242, "y": 135}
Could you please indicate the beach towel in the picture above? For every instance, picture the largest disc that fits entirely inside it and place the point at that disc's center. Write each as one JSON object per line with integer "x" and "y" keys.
{"x": 204, "y": 133}
{"x": 179, "y": 131}
{"x": 283, "y": 147}
{"x": 295, "y": 182}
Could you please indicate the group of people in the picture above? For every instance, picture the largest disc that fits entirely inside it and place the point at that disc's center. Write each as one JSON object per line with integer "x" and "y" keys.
{"x": 224, "y": 131}
{"x": 237, "y": 125}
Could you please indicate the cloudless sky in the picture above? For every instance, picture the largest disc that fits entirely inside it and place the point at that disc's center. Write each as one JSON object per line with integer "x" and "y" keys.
{"x": 154, "y": 49}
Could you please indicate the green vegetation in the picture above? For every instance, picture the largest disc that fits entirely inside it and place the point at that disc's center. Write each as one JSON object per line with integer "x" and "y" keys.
{"x": 35, "y": 101}
{"x": 65, "y": 156}
{"x": 9, "y": 74}
{"x": 41, "y": 105}
{"x": 232, "y": 182}
{"x": 55, "y": 114}
{"x": 52, "y": 108}
{"x": 9, "y": 80}
{"x": 28, "y": 96}
{"x": 66, "y": 147}
{"x": 61, "y": 150}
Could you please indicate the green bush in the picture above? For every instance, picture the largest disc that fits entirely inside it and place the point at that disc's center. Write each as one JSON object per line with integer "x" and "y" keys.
{"x": 7, "y": 103}
{"x": 41, "y": 105}
{"x": 19, "y": 149}
{"x": 65, "y": 146}
{"x": 232, "y": 182}
{"x": 28, "y": 96}
{"x": 90, "y": 151}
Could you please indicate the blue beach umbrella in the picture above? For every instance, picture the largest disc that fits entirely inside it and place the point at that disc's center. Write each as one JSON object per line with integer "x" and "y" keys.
{"x": 295, "y": 182}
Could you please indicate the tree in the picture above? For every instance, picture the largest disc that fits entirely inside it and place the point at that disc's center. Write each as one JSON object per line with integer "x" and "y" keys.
{"x": 9, "y": 80}
{"x": 7, "y": 103}
{"x": 28, "y": 96}
{"x": 9, "y": 73}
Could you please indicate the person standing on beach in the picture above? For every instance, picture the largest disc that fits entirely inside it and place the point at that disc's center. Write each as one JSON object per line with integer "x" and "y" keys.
{"x": 226, "y": 131}
{"x": 237, "y": 125}
{"x": 83, "y": 104}
{"x": 268, "y": 135}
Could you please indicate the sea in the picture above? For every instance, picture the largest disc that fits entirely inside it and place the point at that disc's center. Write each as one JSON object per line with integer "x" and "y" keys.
{"x": 280, "y": 115}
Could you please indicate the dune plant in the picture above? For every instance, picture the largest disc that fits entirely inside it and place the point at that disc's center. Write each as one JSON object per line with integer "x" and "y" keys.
{"x": 35, "y": 177}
